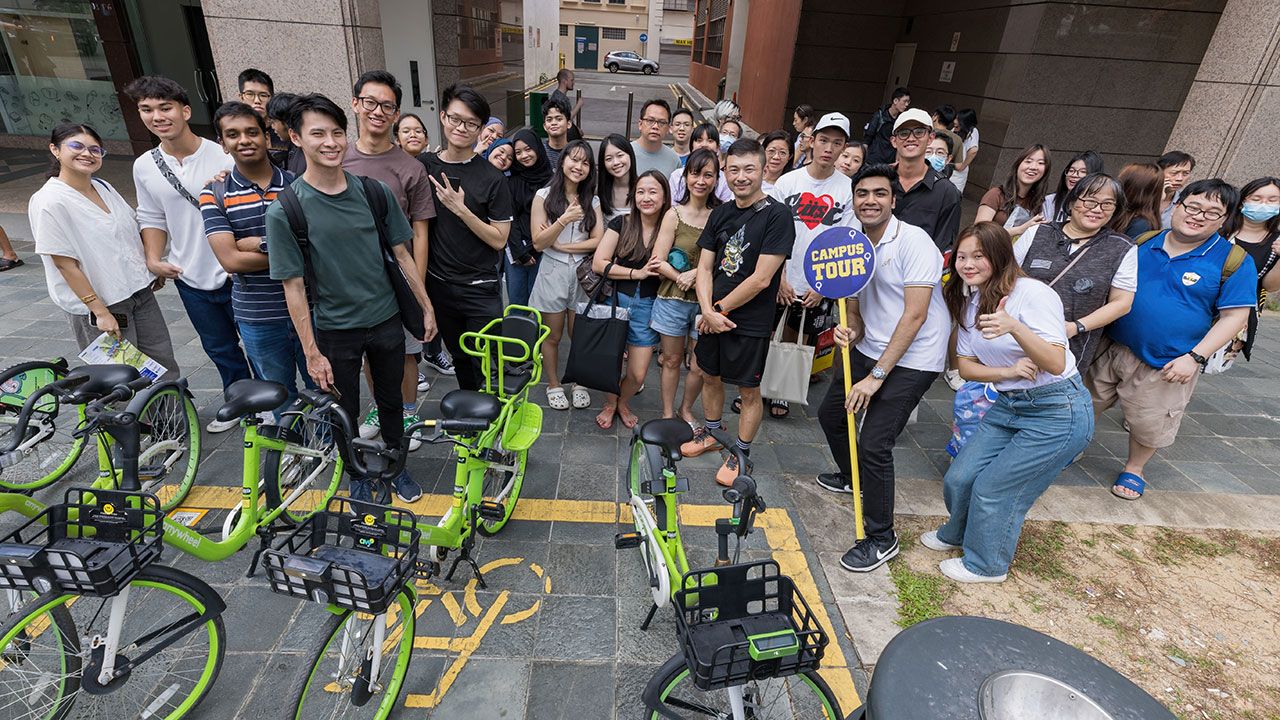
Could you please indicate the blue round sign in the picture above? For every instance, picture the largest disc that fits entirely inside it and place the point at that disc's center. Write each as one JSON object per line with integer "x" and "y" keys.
{"x": 644, "y": 37}
{"x": 840, "y": 262}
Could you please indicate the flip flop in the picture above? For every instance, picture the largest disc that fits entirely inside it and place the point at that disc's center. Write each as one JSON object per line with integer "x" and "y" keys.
{"x": 1129, "y": 481}
{"x": 782, "y": 405}
{"x": 736, "y": 405}
{"x": 7, "y": 264}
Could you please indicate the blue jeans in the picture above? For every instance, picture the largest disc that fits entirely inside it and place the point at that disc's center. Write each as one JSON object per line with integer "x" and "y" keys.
{"x": 210, "y": 313}
{"x": 520, "y": 280}
{"x": 1024, "y": 441}
{"x": 275, "y": 354}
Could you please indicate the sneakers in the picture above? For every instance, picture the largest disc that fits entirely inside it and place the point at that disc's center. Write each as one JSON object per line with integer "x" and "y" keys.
{"x": 407, "y": 489}
{"x": 729, "y": 470}
{"x": 361, "y": 490}
{"x": 931, "y": 541}
{"x": 369, "y": 427}
{"x": 702, "y": 442}
{"x": 414, "y": 444}
{"x": 423, "y": 384}
{"x": 869, "y": 554}
{"x": 441, "y": 363}
{"x": 954, "y": 381}
{"x": 218, "y": 426}
{"x": 835, "y": 482}
{"x": 954, "y": 568}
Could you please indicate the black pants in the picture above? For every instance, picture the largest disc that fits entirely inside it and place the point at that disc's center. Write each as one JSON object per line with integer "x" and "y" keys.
{"x": 459, "y": 309}
{"x": 383, "y": 346}
{"x": 883, "y": 420}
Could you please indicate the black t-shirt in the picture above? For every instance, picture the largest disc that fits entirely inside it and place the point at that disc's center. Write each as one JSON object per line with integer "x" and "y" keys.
{"x": 638, "y": 259}
{"x": 457, "y": 255}
{"x": 1261, "y": 254}
{"x": 738, "y": 237}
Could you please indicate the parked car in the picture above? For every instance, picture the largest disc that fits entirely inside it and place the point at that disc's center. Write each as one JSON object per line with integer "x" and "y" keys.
{"x": 627, "y": 60}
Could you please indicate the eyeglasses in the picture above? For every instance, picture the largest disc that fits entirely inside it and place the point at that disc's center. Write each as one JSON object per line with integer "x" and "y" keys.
{"x": 1091, "y": 204}
{"x": 250, "y": 96}
{"x": 915, "y": 132}
{"x": 1207, "y": 213}
{"x": 654, "y": 122}
{"x": 464, "y": 123}
{"x": 76, "y": 146}
{"x": 778, "y": 153}
{"x": 371, "y": 104}
{"x": 1077, "y": 172}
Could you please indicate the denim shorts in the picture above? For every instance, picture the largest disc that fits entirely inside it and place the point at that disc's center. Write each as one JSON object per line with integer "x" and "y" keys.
{"x": 639, "y": 334}
{"x": 675, "y": 318}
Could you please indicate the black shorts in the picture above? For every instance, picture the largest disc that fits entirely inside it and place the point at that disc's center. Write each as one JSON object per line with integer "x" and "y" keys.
{"x": 735, "y": 359}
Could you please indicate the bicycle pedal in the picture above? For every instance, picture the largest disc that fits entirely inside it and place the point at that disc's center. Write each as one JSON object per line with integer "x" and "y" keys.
{"x": 427, "y": 569}
{"x": 626, "y": 540}
{"x": 490, "y": 510}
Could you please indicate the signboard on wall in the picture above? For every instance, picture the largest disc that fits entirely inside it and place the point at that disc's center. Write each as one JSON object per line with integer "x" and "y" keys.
{"x": 948, "y": 71}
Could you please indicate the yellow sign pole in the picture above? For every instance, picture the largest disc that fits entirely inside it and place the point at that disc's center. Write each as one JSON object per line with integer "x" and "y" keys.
{"x": 859, "y": 532}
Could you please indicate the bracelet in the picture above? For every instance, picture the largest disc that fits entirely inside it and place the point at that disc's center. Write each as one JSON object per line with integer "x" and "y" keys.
{"x": 89, "y": 298}
{"x": 631, "y": 273}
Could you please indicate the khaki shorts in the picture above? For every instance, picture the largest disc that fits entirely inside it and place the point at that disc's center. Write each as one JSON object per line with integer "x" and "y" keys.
{"x": 1152, "y": 407}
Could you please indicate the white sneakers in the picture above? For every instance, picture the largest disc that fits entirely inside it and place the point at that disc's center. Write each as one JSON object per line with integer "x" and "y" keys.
{"x": 931, "y": 541}
{"x": 954, "y": 568}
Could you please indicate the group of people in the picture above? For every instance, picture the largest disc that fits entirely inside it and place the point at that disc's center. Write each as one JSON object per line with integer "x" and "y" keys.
{"x": 298, "y": 252}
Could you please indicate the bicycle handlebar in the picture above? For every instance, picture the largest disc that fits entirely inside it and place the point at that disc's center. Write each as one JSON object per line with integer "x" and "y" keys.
{"x": 742, "y": 495}
{"x": 94, "y": 411}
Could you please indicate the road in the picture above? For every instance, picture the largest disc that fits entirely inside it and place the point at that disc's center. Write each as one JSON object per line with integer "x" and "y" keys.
{"x": 605, "y": 94}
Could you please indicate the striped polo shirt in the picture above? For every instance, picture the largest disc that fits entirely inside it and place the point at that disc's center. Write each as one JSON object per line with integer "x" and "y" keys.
{"x": 255, "y": 297}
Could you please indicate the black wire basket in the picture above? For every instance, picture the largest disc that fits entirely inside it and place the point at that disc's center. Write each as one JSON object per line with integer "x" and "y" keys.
{"x": 93, "y": 543}
{"x": 745, "y": 622}
{"x": 353, "y": 554}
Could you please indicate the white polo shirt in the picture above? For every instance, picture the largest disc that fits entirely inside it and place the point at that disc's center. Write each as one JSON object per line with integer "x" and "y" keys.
{"x": 162, "y": 207}
{"x": 905, "y": 257}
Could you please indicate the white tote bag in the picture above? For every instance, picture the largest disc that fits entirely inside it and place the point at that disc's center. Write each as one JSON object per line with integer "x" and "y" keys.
{"x": 787, "y": 366}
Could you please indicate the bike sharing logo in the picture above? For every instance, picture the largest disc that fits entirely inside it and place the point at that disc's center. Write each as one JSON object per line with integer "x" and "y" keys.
{"x": 814, "y": 210}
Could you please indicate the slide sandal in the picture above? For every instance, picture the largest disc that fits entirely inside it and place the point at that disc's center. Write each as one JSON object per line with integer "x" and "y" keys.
{"x": 1129, "y": 481}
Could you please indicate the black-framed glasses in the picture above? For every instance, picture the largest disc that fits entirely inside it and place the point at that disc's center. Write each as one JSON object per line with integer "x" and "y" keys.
{"x": 250, "y": 96}
{"x": 1091, "y": 204}
{"x": 1077, "y": 172}
{"x": 464, "y": 123}
{"x": 916, "y": 132}
{"x": 370, "y": 104}
{"x": 655, "y": 122}
{"x": 1209, "y": 214}
{"x": 76, "y": 146}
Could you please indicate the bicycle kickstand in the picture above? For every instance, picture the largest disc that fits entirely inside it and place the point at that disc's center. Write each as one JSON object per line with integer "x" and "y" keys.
{"x": 465, "y": 554}
{"x": 264, "y": 535}
{"x": 653, "y": 610}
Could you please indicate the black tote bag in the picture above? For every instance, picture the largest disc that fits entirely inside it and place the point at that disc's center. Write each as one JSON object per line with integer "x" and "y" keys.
{"x": 599, "y": 339}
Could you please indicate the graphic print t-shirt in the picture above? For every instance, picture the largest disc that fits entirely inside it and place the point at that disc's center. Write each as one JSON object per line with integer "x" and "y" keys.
{"x": 815, "y": 206}
{"x": 738, "y": 237}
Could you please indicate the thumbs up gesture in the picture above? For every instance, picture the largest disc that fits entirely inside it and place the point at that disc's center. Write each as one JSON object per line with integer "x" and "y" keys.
{"x": 998, "y": 323}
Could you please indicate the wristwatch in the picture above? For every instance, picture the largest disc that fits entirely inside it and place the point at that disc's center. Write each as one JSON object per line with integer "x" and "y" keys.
{"x": 1080, "y": 328}
{"x": 262, "y": 246}
{"x": 717, "y": 308}
{"x": 879, "y": 373}
{"x": 1200, "y": 359}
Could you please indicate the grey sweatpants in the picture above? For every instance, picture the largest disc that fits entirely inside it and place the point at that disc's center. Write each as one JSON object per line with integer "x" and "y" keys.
{"x": 144, "y": 327}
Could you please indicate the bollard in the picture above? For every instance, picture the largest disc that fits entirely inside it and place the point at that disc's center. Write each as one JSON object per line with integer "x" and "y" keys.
{"x": 577, "y": 103}
{"x": 631, "y": 98}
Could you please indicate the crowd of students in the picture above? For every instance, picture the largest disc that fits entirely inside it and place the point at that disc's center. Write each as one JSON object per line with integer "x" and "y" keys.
{"x": 280, "y": 235}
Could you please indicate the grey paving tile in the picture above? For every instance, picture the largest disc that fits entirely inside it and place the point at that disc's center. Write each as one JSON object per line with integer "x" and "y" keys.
{"x": 588, "y": 482}
{"x": 583, "y": 569}
{"x": 1214, "y": 477}
{"x": 571, "y": 691}
{"x": 577, "y": 628}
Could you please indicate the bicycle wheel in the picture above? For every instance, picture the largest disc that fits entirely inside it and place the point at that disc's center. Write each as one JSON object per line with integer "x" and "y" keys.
{"x": 644, "y": 465}
{"x": 337, "y": 685}
{"x": 804, "y": 696}
{"x": 49, "y": 449}
{"x": 300, "y": 479}
{"x": 47, "y": 674}
{"x": 503, "y": 487}
{"x": 170, "y": 448}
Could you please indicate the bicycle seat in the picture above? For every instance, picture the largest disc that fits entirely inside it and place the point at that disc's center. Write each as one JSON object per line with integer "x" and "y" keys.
{"x": 523, "y": 328}
{"x": 469, "y": 404}
{"x": 247, "y": 397}
{"x": 668, "y": 434}
{"x": 102, "y": 380}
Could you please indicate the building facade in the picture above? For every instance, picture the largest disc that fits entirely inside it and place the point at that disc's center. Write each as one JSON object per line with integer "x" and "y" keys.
{"x": 591, "y": 29}
{"x": 1128, "y": 80}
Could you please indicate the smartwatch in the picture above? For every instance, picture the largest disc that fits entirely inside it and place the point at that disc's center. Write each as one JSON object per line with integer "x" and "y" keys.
{"x": 1080, "y": 328}
{"x": 1200, "y": 359}
{"x": 879, "y": 373}
{"x": 717, "y": 308}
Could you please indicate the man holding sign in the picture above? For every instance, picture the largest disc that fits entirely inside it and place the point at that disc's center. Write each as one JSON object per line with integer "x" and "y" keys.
{"x": 900, "y": 324}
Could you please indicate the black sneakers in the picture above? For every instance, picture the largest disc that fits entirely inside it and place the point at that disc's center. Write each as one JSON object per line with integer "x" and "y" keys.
{"x": 870, "y": 554}
{"x": 836, "y": 482}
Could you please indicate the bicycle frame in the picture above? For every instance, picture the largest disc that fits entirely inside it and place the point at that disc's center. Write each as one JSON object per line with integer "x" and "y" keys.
{"x": 659, "y": 527}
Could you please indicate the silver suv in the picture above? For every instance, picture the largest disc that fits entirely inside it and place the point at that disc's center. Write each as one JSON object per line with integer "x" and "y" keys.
{"x": 627, "y": 60}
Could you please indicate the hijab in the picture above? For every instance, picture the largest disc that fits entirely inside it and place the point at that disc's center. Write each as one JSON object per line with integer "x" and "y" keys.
{"x": 527, "y": 181}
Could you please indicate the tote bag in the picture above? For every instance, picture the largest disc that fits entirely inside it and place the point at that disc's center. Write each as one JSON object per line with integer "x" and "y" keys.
{"x": 787, "y": 367}
{"x": 599, "y": 338}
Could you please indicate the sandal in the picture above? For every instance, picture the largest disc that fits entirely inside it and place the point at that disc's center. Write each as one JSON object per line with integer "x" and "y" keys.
{"x": 556, "y": 398}
{"x": 581, "y": 398}
{"x": 776, "y": 405}
{"x": 7, "y": 264}
{"x": 736, "y": 405}
{"x": 1129, "y": 481}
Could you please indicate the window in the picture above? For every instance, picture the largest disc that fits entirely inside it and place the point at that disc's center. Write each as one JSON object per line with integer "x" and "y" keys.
{"x": 564, "y": 31}
{"x": 613, "y": 33}
{"x": 715, "y": 43}
{"x": 678, "y": 5}
{"x": 617, "y": 2}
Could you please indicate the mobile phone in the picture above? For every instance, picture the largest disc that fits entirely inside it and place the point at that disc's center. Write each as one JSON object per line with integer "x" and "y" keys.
{"x": 121, "y": 320}
{"x": 455, "y": 181}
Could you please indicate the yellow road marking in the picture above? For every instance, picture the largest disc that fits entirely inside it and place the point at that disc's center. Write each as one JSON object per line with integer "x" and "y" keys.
{"x": 469, "y": 595}
{"x": 455, "y": 611}
{"x": 464, "y": 650}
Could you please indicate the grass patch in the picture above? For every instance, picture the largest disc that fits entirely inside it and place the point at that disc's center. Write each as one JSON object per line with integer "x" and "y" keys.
{"x": 1173, "y": 547}
{"x": 1120, "y": 629}
{"x": 1129, "y": 531}
{"x": 1042, "y": 550}
{"x": 920, "y": 596}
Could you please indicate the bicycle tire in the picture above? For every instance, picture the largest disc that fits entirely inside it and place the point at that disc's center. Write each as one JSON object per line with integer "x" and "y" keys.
{"x": 171, "y": 437}
{"x": 77, "y": 687}
{"x": 15, "y": 647}
{"x": 806, "y": 694}
{"x": 332, "y": 700}
{"x": 282, "y": 475}
{"x": 55, "y": 455}
{"x": 503, "y": 487}
{"x": 643, "y": 465}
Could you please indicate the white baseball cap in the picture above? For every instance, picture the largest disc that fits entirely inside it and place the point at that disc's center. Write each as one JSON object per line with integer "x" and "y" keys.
{"x": 915, "y": 115}
{"x": 833, "y": 120}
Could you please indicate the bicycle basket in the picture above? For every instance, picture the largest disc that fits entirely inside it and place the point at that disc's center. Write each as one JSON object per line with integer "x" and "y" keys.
{"x": 355, "y": 555}
{"x": 93, "y": 543}
{"x": 743, "y": 622}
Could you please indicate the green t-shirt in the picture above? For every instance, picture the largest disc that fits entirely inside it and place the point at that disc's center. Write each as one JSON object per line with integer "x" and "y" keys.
{"x": 352, "y": 290}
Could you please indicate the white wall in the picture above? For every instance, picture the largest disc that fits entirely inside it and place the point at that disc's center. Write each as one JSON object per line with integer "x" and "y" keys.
{"x": 407, "y": 37}
{"x": 541, "y": 22}
{"x": 676, "y": 25}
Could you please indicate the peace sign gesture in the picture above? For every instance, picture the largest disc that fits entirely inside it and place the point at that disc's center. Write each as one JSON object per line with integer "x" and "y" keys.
{"x": 449, "y": 196}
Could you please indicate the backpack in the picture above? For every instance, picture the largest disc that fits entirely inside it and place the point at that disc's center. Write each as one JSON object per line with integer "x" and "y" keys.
{"x": 1234, "y": 259}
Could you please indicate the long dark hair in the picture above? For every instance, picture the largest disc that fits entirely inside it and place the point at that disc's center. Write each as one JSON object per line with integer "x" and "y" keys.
{"x": 1092, "y": 164}
{"x": 61, "y": 132}
{"x": 556, "y": 202}
{"x": 698, "y": 160}
{"x": 1034, "y": 199}
{"x": 606, "y": 177}
{"x": 997, "y": 247}
{"x": 1236, "y": 220}
{"x": 1143, "y": 185}
{"x": 631, "y": 238}
{"x": 966, "y": 121}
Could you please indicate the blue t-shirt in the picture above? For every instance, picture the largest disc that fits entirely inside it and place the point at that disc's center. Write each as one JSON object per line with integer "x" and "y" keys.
{"x": 1178, "y": 298}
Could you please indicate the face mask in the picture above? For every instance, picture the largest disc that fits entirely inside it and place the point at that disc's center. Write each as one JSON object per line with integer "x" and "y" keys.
{"x": 1259, "y": 212}
{"x": 937, "y": 162}
{"x": 725, "y": 142}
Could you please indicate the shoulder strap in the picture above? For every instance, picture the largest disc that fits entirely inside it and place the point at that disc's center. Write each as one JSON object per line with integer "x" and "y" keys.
{"x": 298, "y": 224}
{"x": 172, "y": 179}
{"x": 219, "y": 189}
{"x": 1234, "y": 260}
{"x": 377, "y": 200}
{"x": 1146, "y": 236}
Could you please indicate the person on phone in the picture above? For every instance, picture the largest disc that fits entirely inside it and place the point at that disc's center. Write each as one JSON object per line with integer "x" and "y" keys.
{"x": 356, "y": 317}
{"x": 1018, "y": 204}
{"x": 567, "y": 226}
{"x": 1177, "y": 167}
{"x": 473, "y": 218}
{"x": 88, "y": 239}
